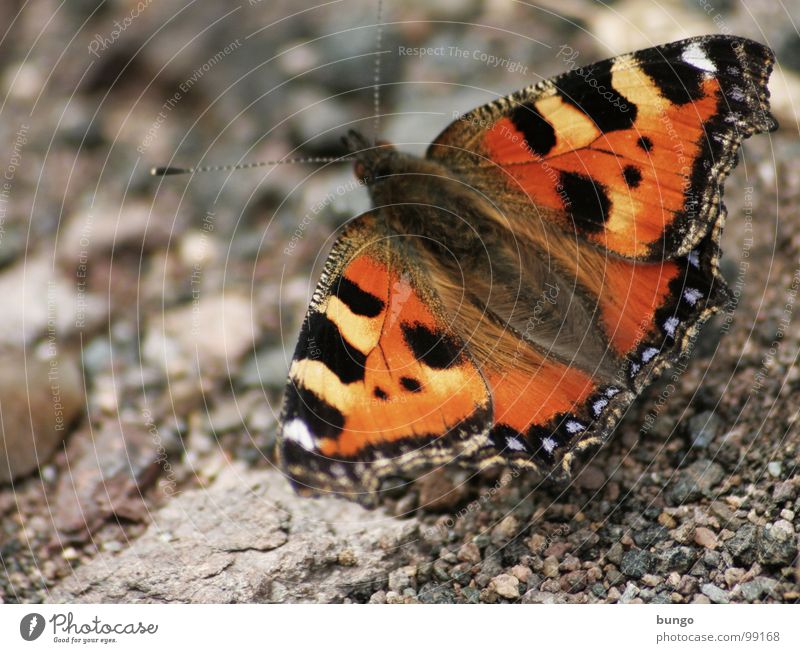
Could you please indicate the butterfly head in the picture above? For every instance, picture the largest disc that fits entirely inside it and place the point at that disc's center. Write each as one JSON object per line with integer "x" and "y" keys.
{"x": 374, "y": 161}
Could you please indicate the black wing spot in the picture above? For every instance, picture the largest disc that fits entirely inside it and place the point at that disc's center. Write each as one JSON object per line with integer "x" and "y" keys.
{"x": 410, "y": 384}
{"x": 539, "y": 134}
{"x": 320, "y": 339}
{"x": 676, "y": 80}
{"x": 645, "y": 143}
{"x": 359, "y": 301}
{"x": 379, "y": 393}
{"x": 434, "y": 348}
{"x": 632, "y": 176}
{"x": 322, "y": 419}
{"x": 588, "y": 201}
{"x": 590, "y": 90}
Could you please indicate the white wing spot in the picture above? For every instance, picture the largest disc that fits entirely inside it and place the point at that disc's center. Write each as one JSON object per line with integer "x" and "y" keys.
{"x": 670, "y": 325}
{"x": 695, "y": 56}
{"x": 549, "y": 445}
{"x": 635, "y": 367}
{"x": 649, "y": 354}
{"x": 612, "y": 391}
{"x": 694, "y": 259}
{"x": 691, "y": 295}
{"x": 297, "y": 431}
{"x": 597, "y": 406}
{"x": 574, "y": 427}
{"x": 514, "y": 444}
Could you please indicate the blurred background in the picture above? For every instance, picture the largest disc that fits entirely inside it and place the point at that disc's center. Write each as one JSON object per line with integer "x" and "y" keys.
{"x": 147, "y": 323}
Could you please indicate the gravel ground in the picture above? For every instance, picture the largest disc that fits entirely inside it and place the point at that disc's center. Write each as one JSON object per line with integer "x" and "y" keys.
{"x": 178, "y": 300}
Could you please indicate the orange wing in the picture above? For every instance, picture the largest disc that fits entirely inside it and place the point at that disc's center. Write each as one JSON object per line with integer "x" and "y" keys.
{"x": 379, "y": 384}
{"x": 628, "y": 153}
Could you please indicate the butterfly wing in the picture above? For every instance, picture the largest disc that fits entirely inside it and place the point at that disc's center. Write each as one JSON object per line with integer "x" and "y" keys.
{"x": 380, "y": 385}
{"x": 628, "y": 154}
{"x": 612, "y": 175}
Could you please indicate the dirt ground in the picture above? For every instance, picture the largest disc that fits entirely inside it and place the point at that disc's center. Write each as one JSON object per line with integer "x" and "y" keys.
{"x": 159, "y": 315}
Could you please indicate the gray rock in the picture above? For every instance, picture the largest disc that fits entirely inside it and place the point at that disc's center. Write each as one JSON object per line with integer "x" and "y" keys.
{"x": 778, "y": 544}
{"x": 695, "y": 481}
{"x": 109, "y": 469}
{"x": 716, "y": 594}
{"x": 247, "y": 538}
{"x": 679, "y": 558}
{"x": 704, "y": 428}
{"x": 742, "y": 545}
{"x": 39, "y": 399}
{"x": 757, "y": 588}
{"x": 636, "y": 563}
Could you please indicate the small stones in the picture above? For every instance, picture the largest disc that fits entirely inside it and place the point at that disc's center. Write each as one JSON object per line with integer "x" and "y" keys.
{"x": 636, "y": 563}
{"x": 778, "y": 544}
{"x": 716, "y": 594}
{"x": 505, "y": 585}
{"x": 403, "y": 578}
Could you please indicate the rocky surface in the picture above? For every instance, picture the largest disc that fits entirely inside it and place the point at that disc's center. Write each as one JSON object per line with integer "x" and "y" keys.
{"x": 179, "y": 301}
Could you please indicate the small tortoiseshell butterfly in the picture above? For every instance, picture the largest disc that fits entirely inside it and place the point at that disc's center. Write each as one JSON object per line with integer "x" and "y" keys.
{"x": 512, "y": 292}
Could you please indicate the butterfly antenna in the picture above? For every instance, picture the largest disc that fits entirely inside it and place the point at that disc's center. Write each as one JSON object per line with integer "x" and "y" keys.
{"x": 164, "y": 171}
{"x": 376, "y": 86}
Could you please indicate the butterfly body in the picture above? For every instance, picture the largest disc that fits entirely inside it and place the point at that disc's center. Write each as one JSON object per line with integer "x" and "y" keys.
{"x": 512, "y": 291}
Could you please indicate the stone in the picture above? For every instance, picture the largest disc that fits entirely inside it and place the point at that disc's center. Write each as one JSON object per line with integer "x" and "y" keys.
{"x": 505, "y": 585}
{"x": 757, "y": 588}
{"x": 677, "y": 559}
{"x": 41, "y": 396}
{"x": 248, "y": 538}
{"x": 695, "y": 481}
{"x": 705, "y": 537}
{"x": 550, "y": 567}
{"x": 777, "y": 545}
{"x": 742, "y": 546}
{"x": 202, "y": 340}
{"x": 403, "y": 578}
{"x": 110, "y": 467}
{"x": 469, "y": 552}
{"x": 636, "y": 563}
{"x": 704, "y": 428}
{"x": 716, "y": 594}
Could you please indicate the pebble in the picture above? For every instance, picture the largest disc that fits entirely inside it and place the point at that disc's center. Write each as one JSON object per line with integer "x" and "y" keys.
{"x": 784, "y": 491}
{"x": 742, "y": 545}
{"x": 41, "y": 396}
{"x": 537, "y": 543}
{"x": 506, "y": 529}
{"x": 775, "y": 468}
{"x": 705, "y": 537}
{"x": 778, "y": 544}
{"x": 522, "y": 573}
{"x": 505, "y": 585}
{"x": 550, "y": 567}
{"x": 704, "y": 429}
{"x": 636, "y": 563}
{"x": 694, "y": 482}
{"x": 757, "y": 588}
{"x": 716, "y": 594}
{"x": 469, "y": 552}
{"x": 402, "y": 578}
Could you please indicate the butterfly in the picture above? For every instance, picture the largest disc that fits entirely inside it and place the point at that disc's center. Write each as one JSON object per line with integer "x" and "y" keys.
{"x": 511, "y": 292}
